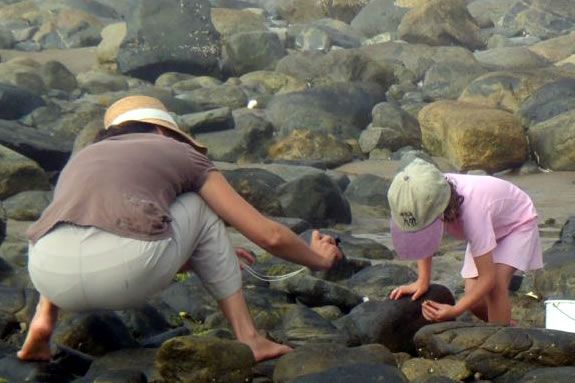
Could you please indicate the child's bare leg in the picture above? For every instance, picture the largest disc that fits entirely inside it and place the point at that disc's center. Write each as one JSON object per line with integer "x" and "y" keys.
{"x": 37, "y": 343}
{"x": 236, "y": 311}
{"x": 480, "y": 309}
{"x": 498, "y": 302}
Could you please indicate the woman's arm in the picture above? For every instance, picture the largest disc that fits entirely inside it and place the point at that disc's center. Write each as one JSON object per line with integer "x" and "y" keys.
{"x": 264, "y": 232}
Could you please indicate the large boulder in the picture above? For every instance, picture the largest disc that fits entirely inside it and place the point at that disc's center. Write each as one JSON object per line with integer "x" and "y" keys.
{"x": 556, "y": 49}
{"x": 16, "y": 102}
{"x": 552, "y": 141}
{"x": 510, "y": 58}
{"x": 473, "y": 137}
{"x": 549, "y": 101}
{"x": 156, "y": 42}
{"x": 18, "y": 174}
{"x": 448, "y": 79}
{"x": 229, "y": 21}
{"x": 246, "y": 52}
{"x": 379, "y": 16}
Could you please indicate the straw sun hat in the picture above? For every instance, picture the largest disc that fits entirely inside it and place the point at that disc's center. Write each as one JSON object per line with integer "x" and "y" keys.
{"x": 149, "y": 110}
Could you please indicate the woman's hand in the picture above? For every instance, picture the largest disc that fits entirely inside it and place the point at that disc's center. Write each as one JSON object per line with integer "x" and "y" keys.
{"x": 437, "y": 312}
{"x": 245, "y": 257}
{"x": 415, "y": 289}
{"x": 326, "y": 247}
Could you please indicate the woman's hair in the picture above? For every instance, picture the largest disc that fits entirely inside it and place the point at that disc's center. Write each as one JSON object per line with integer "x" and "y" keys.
{"x": 453, "y": 209}
{"x": 126, "y": 128}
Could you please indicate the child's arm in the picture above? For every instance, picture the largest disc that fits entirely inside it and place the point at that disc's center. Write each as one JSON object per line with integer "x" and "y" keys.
{"x": 434, "y": 311}
{"x": 419, "y": 287}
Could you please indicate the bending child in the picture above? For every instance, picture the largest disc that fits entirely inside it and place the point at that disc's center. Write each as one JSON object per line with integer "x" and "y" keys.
{"x": 134, "y": 208}
{"x": 496, "y": 218}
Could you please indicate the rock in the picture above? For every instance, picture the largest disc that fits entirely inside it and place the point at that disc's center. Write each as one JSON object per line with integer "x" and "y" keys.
{"x": 301, "y": 326}
{"x": 13, "y": 369}
{"x": 94, "y": 333}
{"x": 418, "y": 368}
{"x": 316, "y": 292}
{"x": 108, "y": 48}
{"x": 551, "y": 141}
{"x": 225, "y": 95}
{"x": 320, "y": 109}
{"x": 188, "y": 297}
{"x": 204, "y": 360}
{"x": 500, "y": 41}
{"x": 542, "y": 18}
{"x": 16, "y": 102}
{"x": 24, "y": 74}
{"x": 323, "y": 34}
{"x": 317, "y": 358}
{"x": 68, "y": 28}
{"x": 210, "y": 121}
{"x": 195, "y": 82}
{"x": 273, "y": 82}
{"x": 440, "y": 22}
{"x": 377, "y": 281}
{"x": 97, "y": 82}
{"x": 449, "y": 79}
{"x": 87, "y": 135}
{"x": 258, "y": 187}
{"x": 123, "y": 375}
{"x": 368, "y": 189}
{"x": 555, "y": 49}
{"x": 19, "y": 174}
{"x": 323, "y": 205}
{"x": 344, "y": 10}
{"x": 147, "y": 51}
{"x": 57, "y": 76}
{"x": 510, "y": 58}
{"x": 550, "y": 100}
{"x": 473, "y": 137}
{"x": 377, "y": 17}
{"x": 310, "y": 148}
{"x": 299, "y": 11}
{"x": 251, "y": 51}
{"x": 548, "y": 375}
{"x": 144, "y": 322}
{"x": 502, "y": 354}
{"x": 392, "y": 323}
{"x": 28, "y": 205}
{"x": 231, "y": 21}
{"x": 364, "y": 372}
{"x": 73, "y": 117}
{"x": 488, "y": 12}
{"x": 137, "y": 360}
{"x": 505, "y": 90}
{"x": 34, "y": 144}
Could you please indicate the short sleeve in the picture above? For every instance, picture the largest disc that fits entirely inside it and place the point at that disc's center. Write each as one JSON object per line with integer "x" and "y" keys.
{"x": 199, "y": 167}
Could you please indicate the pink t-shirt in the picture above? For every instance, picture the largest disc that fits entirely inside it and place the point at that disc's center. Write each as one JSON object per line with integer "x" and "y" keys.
{"x": 492, "y": 208}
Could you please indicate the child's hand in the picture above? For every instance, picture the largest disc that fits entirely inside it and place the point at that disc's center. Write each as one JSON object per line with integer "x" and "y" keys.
{"x": 326, "y": 247}
{"x": 437, "y": 312}
{"x": 415, "y": 289}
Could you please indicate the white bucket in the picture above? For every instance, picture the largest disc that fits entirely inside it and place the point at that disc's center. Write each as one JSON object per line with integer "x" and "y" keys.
{"x": 560, "y": 315}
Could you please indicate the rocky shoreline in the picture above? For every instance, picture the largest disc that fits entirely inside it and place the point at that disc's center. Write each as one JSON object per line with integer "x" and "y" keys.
{"x": 308, "y": 108}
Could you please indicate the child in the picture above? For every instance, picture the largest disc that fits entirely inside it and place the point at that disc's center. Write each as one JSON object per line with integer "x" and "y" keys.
{"x": 496, "y": 218}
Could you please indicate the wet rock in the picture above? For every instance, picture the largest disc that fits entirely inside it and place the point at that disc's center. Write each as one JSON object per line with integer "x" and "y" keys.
{"x": 204, "y": 360}
{"x": 189, "y": 297}
{"x": 147, "y": 51}
{"x": 548, "y": 375}
{"x": 272, "y": 82}
{"x": 449, "y": 79}
{"x": 16, "y": 102}
{"x": 391, "y": 322}
{"x": 324, "y": 34}
{"x": 318, "y": 358}
{"x": 209, "y": 121}
{"x": 73, "y": 117}
{"x": 418, "y": 368}
{"x": 93, "y": 333}
{"x": 229, "y": 21}
{"x": 97, "y": 82}
{"x": 316, "y": 292}
{"x": 549, "y": 101}
{"x": 122, "y": 376}
{"x": 57, "y": 76}
{"x": 137, "y": 360}
{"x": 473, "y": 137}
{"x": 302, "y": 325}
{"x": 14, "y": 370}
{"x": 87, "y": 135}
{"x": 195, "y": 82}
{"x": 440, "y": 22}
{"x": 365, "y": 372}
{"x": 368, "y": 189}
{"x": 501, "y": 354}
{"x": 225, "y": 95}
{"x": 510, "y": 58}
{"x": 144, "y": 322}
{"x": 23, "y": 73}
{"x": 323, "y": 205}
{"x": 298, "y": 11}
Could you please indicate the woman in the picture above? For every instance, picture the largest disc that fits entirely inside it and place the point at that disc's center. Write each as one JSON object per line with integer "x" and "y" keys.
{"x": 132, "y": 210}
{"x": 496, "y": 218}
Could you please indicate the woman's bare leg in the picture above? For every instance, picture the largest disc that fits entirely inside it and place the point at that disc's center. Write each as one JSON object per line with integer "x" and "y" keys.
{"x": 237, "y": 313}
{"x": 37, "y": 343}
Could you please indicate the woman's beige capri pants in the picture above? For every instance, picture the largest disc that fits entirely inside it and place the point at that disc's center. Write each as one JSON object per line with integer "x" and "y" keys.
{"x": 83, "y": 268}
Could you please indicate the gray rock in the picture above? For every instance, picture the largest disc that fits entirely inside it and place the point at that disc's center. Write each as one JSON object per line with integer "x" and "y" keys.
{"x": 551, "y": 141}
{"x": 377, "y": 281}
{"x": 369, "y": 189}
{"x": 549, "y": 375}
{"x": 16, "y": 102}
{"x": 142, "y": 360}
{"x": 225, "y": 95}
{"x": 28, "y": 205}
{"x": 501, "y": 354}
{"x": 210, "y": 121}
{"x": 488, "y": 12}
{"x": 148, "y": 51}
{"x": 392, "y": 323}
{"x": 301, "y": 325}
{"x": 377, "y": 17}
{"x": 549, "y": 101}
{"x": 57, "y": 76}
{"x": 448, "y": 79}
{"x": 190, "y": 297}
{"x": 98, "y": 82}
{"x": 364, "y": 372}
{"x": 305, "y": 363}
{"x": 510, "y": 58}
{"x": 323, "y": 34}
{"x": 19, "y": 174}
{"x": 251, "y": 51}
{"x": 144, "y": 322}
{"x": 323, "y": 205}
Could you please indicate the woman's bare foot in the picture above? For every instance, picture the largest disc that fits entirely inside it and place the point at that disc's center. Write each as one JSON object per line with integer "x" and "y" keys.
{"x": 264, "y": 349}
{"x": 37, "y": 344}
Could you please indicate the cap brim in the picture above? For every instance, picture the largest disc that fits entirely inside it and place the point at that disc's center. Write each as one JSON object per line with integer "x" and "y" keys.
{"x": 417, "y": 244}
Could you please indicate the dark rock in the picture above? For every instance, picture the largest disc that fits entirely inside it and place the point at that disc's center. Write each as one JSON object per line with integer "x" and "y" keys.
{"x": 58, "y": 76}
{"x": 209, "y": 121}
{"x": 157, "y": 340}
{"x": 148, "y": 51}
{"x": 549, "y": 375}
{"x": 137, "y": 359}
{"x": 301, "y": 326}
{"x": 391, "y": 322}
{"x": 448, "y": 79}
{"x": 377, "y": 281}
{"x": 27, "y": 205}
{"x": 549, "y": 101}
{"x": 122, "y": 376}
{"x": 323, "y": 205}
{"x": 360, "y": 372}
{"x": 377, "y": 17}
{"x": 258, "y": 187}
{"x": 369, "y": 189}
{"x": 251, "y": 51}
{"x": 225, "y": 95}
{"x": 190, "y": 297}
{"x": 17, "y": 102}
{"x": 144, "y": 322}
{"x": 14, "y": 370}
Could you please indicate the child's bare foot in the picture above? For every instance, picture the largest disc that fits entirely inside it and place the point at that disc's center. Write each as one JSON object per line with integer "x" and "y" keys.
{"x": 264, "y": 349}
{"x": 37, "y": 344}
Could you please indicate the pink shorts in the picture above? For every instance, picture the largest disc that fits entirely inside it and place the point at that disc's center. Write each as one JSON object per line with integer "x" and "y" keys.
{"x": 521, "y": 249}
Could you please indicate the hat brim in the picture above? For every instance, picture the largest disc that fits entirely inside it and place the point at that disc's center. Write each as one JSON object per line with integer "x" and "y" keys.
{"x": 415, "y": 245}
